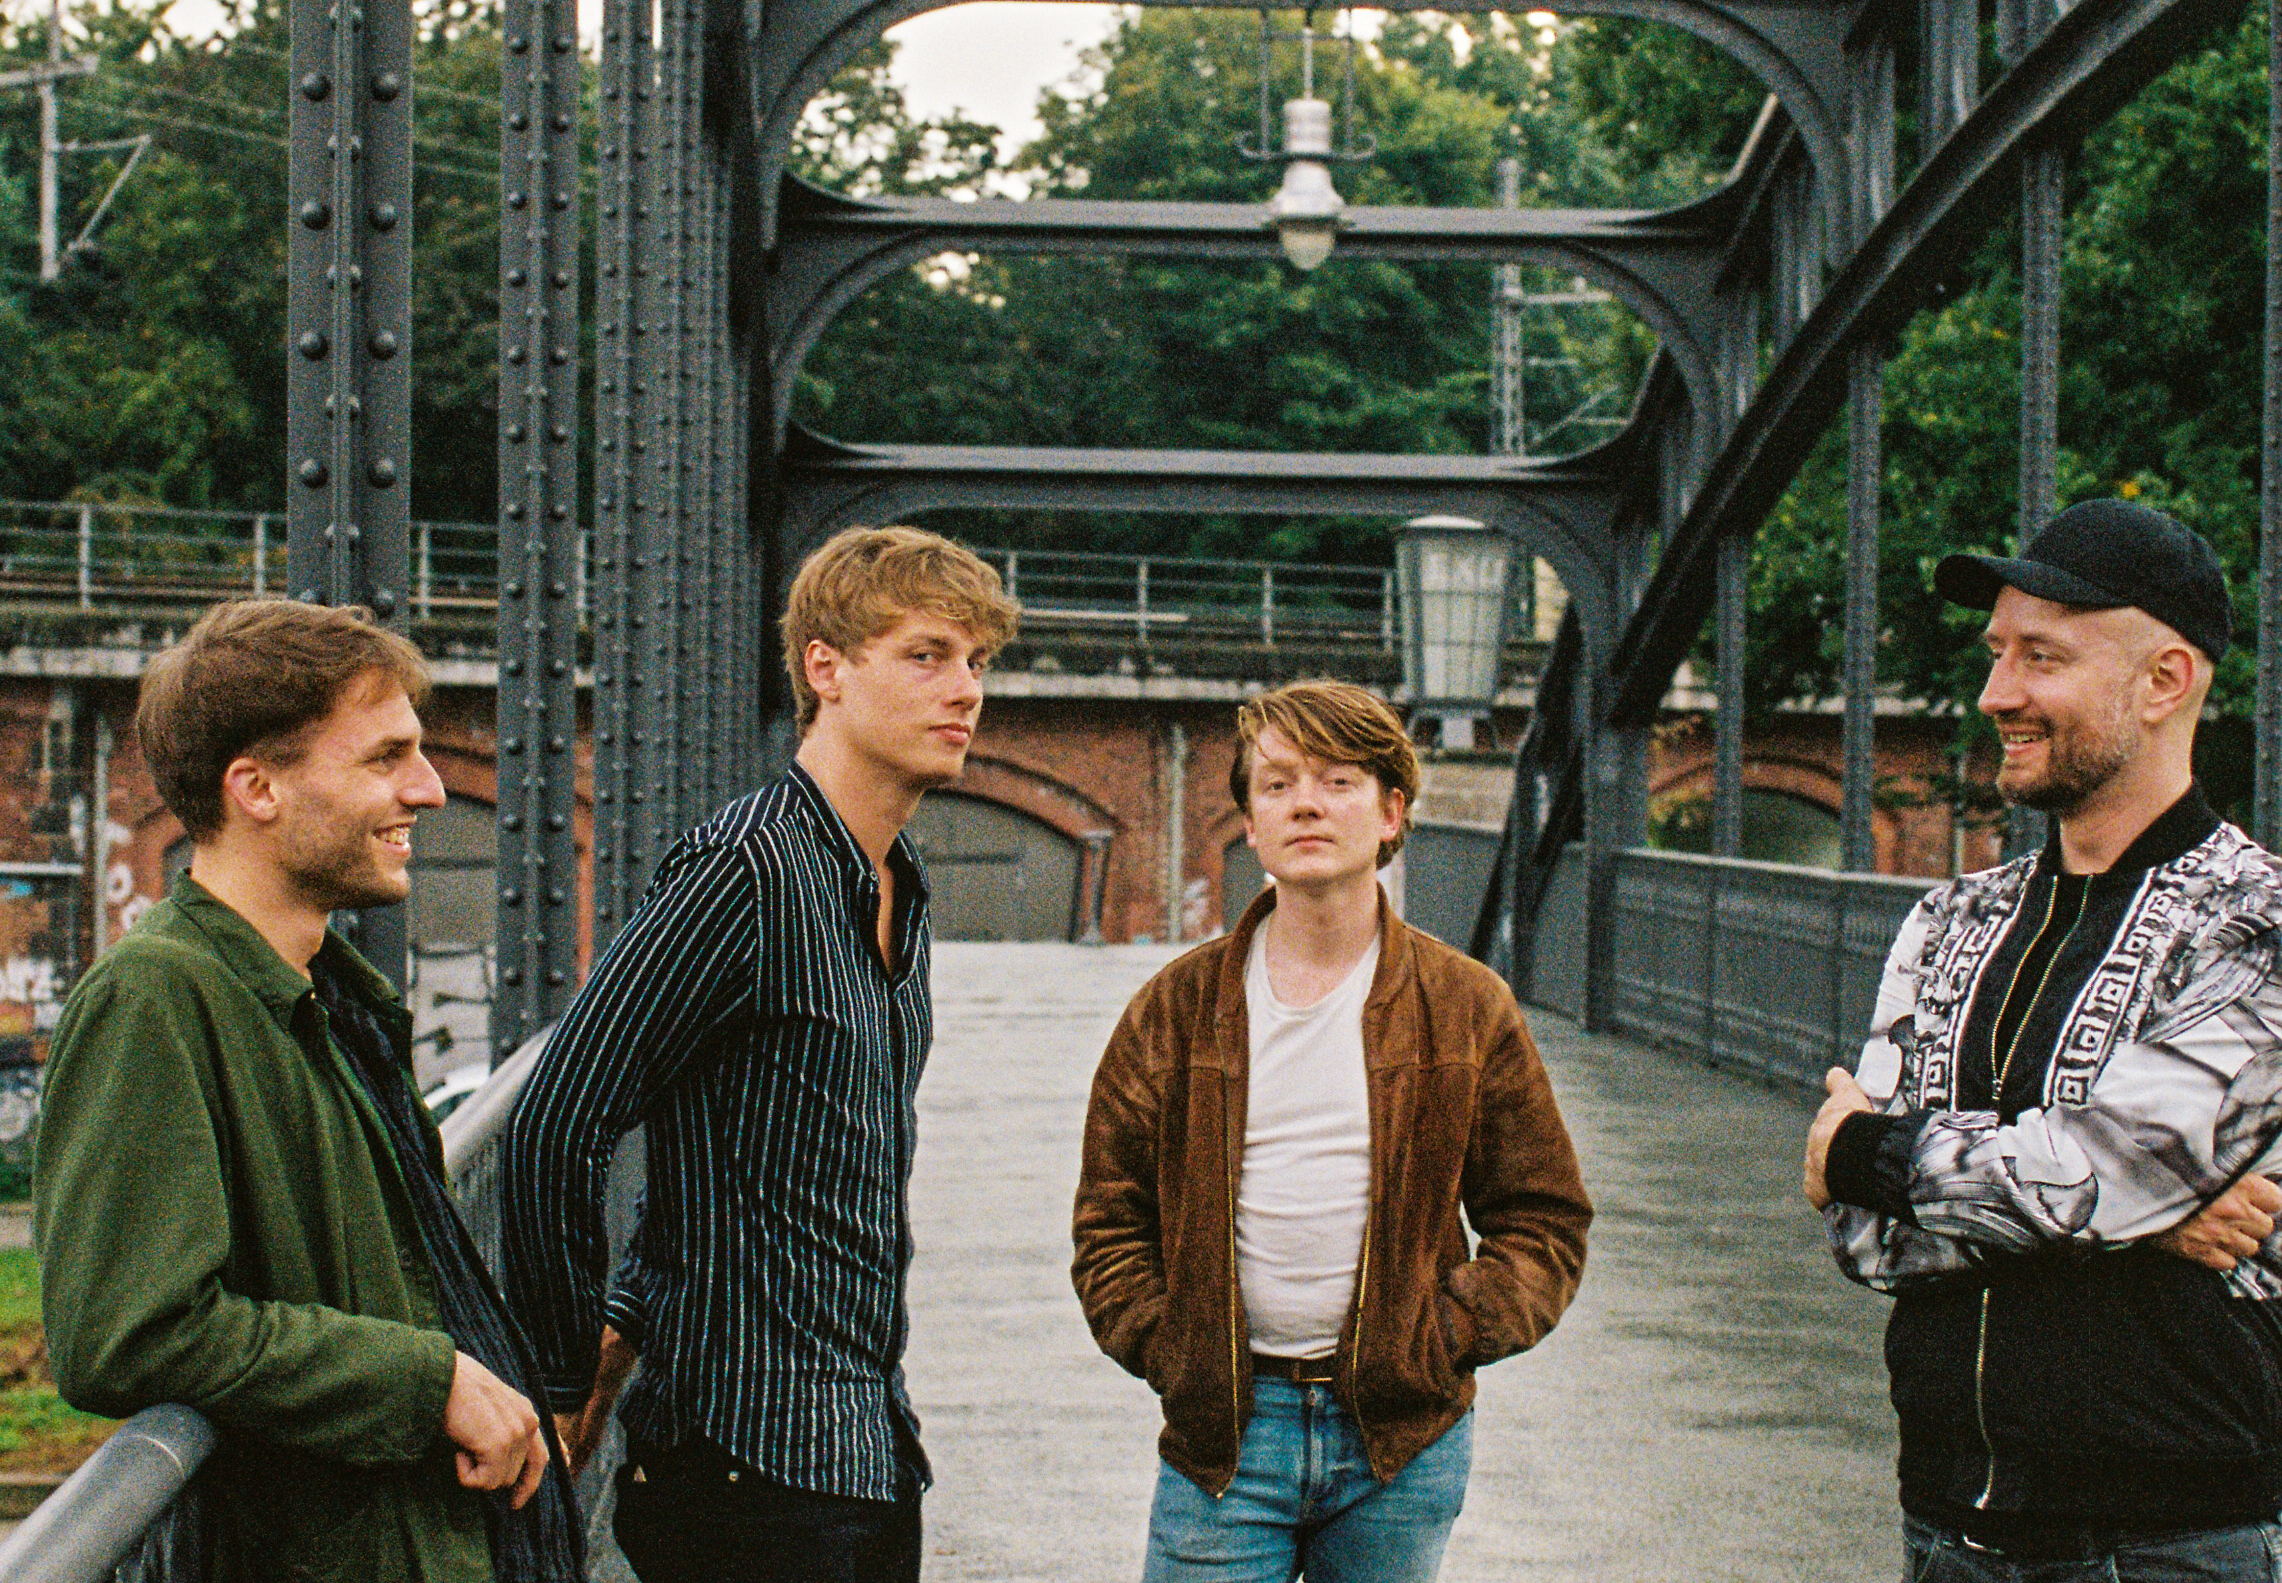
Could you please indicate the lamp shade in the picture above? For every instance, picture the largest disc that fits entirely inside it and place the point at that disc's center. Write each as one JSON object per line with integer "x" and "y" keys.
{"x": 1451, "y": 575}
{"x": 1306, "y": 208}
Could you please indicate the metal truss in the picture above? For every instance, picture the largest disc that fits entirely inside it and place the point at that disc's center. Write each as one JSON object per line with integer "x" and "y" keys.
{"x": 717, "y": 273}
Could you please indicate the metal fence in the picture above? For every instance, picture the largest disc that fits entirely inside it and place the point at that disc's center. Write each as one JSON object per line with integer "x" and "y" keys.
{"x": 1763, "y": 967}
{"x": 1202, "y": 600}
{"x": 131, "y": 559}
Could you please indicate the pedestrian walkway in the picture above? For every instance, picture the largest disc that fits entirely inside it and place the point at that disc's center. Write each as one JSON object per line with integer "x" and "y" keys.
{"x": 1712, "y": 1408}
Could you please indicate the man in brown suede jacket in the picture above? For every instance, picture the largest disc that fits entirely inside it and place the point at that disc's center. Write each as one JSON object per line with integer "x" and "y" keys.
{"x": 1282, "y": 1136}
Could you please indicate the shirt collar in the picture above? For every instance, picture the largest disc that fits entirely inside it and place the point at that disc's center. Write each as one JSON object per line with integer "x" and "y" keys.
{"x": 840, "y": 841}
{"x": 2178, "y": 830}
{"x": 255, "y": 961}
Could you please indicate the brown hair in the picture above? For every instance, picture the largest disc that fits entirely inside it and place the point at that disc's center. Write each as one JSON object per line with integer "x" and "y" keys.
{"x": 864, "y": 580}
{"x": 249, "y": 679}
{"x": 1338, "y": 723}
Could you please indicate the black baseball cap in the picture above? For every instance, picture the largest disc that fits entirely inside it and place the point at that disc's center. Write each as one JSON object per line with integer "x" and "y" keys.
{"x": 2101, "y": 554}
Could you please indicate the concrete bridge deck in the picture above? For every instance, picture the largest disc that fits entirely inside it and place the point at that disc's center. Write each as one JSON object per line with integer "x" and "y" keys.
{"x": 1712, "y": 1408}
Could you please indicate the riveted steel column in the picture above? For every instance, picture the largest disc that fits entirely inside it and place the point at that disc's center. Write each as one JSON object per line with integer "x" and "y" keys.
{"x": 659, "y": 380}
{"x": 1865, "y": 466}
{"x": 349, "y": 326}
{"x": 623, "y": 853}
{"x": 538, "y": 519}
{"x": 1949, "y": 69}
{"x": 2266, "y": 812}
{"x": 1871, "y": 132}
{"x": 2042, "y": 173}
{"x": 1795, "y": 253}
{"x": 1727, "y": 750}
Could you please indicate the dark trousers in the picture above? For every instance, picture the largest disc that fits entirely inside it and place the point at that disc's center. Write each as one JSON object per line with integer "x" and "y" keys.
{"x": 696, "y": 1515}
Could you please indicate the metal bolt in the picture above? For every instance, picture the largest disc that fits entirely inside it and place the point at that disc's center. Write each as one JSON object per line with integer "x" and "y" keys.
{"x": 314, "y": 345}
{"x": 314, "y": 473}
{"x": 383, "y": 599}
{"x": 517, "y": 200}
{"x": 510, "y": 821}
{"x": 384, "y": 217}
{"x": 518, "y": 44}
{"x": 510, "y": 745}
{"x": 515, "y": 354}
{"x": 383, "y": 346}
{"x": 316, "y": 215}
{"x": 382, "y": 472}
{"x": 387, "y": 86}
{"x": 519, "y": 122}
{"x": 515, "y": 434}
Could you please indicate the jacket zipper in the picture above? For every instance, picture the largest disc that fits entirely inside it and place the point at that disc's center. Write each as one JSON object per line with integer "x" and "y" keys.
{"x": 1997, "y": 1076}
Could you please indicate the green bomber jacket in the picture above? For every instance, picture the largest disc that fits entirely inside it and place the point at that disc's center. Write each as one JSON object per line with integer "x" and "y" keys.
{"x": 221, "y": 1222}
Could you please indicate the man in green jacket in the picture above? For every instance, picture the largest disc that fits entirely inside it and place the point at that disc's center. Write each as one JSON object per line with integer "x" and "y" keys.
{"x": 240, "y": 1200}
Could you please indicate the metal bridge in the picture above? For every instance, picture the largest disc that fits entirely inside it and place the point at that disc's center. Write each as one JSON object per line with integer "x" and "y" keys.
{"x": 1773, "y": 299}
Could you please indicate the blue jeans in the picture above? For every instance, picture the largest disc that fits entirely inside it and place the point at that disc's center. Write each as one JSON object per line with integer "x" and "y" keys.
{"x": 1304, "y": 1503}
{"x": 2251, "y": 1553}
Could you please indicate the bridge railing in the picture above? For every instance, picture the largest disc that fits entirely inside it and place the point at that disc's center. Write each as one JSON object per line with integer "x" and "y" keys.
{"x": 124, "y": 1514}
{"x": 1762, "y": 967}
{"x": 61, "y": 558}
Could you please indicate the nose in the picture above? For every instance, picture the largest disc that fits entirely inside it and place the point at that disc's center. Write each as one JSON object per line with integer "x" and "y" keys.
{"x": 967, "y": 687}
{"x": 2001, "y": 693}
{"x": 423, "y": 788}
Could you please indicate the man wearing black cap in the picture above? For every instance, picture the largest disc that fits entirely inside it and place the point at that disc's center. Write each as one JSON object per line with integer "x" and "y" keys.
{"x": 2054, "y": 1154}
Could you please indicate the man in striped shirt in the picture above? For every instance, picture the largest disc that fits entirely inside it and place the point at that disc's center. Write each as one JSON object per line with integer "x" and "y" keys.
{"x": 765, "y": 1015}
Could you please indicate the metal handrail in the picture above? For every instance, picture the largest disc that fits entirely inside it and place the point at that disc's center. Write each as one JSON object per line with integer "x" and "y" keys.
{"x": 66, "y": 557}
{"x": 82, "y": 1532}
{"x": 86, "y": 1528}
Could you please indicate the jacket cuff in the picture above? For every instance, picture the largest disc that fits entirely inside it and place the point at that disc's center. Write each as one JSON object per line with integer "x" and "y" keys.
{"x": 1868, "y": 1165}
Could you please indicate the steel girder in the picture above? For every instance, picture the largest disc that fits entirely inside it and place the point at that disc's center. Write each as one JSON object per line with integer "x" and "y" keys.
{"x": 1662, "y": 264}
{"x": 349, "y": 326}
{"x": 1559, "y": 510}
{"x": 540, "y": 560}
{"x": 2095, "y": 57}
{"x": 1798, "y": 50}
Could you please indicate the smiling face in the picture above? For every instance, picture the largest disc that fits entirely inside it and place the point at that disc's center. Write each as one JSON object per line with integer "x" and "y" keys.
{"x": 908, "y": 700}
{"x": 1313, "y": 822}
{"x": 345, "y": 807}
{"x": 2064, "y": 690}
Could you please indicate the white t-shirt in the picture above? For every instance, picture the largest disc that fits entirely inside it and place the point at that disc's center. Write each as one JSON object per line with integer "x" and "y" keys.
{"x": 1306, "y": 1183}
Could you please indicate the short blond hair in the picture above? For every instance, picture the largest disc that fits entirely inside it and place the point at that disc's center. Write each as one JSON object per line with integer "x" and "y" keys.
{"x": 1339, "y": 723}
{"x": 862, "y": 581}
{"x": 248, "y": 681}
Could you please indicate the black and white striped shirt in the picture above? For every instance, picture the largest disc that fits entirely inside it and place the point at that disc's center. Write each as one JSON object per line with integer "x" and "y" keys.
{"x": 744, "y": 1016}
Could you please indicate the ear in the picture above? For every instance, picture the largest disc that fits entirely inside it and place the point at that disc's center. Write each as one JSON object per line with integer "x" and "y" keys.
{"x": 1391, "y": 806}
{"x": 1251, "y": 837}
{"x": 248, "y": 787}
{"x": 2170, "y": 676}
{"x": 822, "y": 664}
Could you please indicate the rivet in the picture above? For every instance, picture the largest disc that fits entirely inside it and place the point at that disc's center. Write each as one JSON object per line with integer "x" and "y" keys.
{"x": 382, "y": 472}
{"x": 562, "y": 200}
{"x": 516, "y": 434}
{"x": 314, "y": 473}
{"x": 316, "y": 215}
{"x": 387, "y": 86}
{"x": 556, "y": 821}
{"x": 515, "y": 588}
{"x": 383, "y": 346}
{"x": 556, "y": 745}
{"x": 564, "y": 42}
{"x": 518, "y": 44}
{"x": 316, "y": 87}
{"x": 559, "y": 590}
{"x": 519, "y": 122}
{"x": 515, "y": 354}
{"x": 516, "y": 278}
{"x": 562, "y": 280}
{"x": 512, "y": 975}
{"x": 383, "y": 599}
{"x": 314, "y": 345}
{"x": 384, "y": 217}
{"x": 516, "y": 200}
{"x": 562, "y": 123}
{"x": 513, "y": 667}
{"x": 510, "y": 821}
{"x": 510, "y": 745}
{"x": 555, "y": 976}
{"x": 559, "y": 434}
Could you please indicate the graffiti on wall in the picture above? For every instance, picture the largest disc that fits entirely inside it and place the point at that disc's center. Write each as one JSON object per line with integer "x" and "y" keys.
{"x": 37, "y": 965}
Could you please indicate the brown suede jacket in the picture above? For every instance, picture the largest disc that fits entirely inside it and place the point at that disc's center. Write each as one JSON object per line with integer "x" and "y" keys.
{"x": 1462, "y": 1117}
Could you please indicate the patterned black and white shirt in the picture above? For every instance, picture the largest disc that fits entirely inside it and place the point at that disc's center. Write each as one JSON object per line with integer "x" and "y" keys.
{"x": 2149, "y": 1074}
{"x": 744, "y": 1017}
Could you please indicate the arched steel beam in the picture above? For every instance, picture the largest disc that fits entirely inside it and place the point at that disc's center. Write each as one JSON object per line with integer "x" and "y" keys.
{"x": 1558, "y": 510}
{"x": 2091, "y": 62}
{"x": 1661, "y": 264}
{"x": 1797, "y": 50}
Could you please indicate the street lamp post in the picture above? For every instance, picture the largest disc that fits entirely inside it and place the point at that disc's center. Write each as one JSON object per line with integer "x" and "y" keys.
{"x": 1452, "y": 576}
